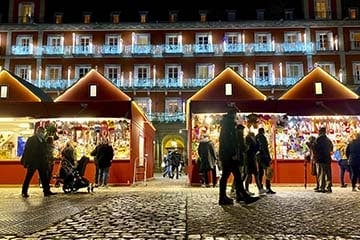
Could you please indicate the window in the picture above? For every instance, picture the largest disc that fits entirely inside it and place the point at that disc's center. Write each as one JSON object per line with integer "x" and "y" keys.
{"x": 144, "y": 103}
{"x": 113, "y": 44}
{"x": 4, "y": 91}
{"x": 24, "y": 45}
{"x": 26, "y": 12}
{"x": 289, "y": 14}
{"x": 264, "y": 74}
{"x": 355, "y": 40}
{"x": 204, "y": 71}
{"x": 173, "y": 43}
{"x": 294, "y": 71}
{"x": 324, "y": 41}
{"x": 237, "y": 67}
{"x": 55, "y": 44}
{"x": 83, "y": 44}
{"x": 328, "y": 67}
{"x": 23, "y": 71}
{"x": 232, "y": 42}
{"x": 173, "y": 105}
{"x": 322, "y": 9}
{"x": 356, "y": 72}
{"x": 353, "y": 13}
{"x": 292, "y": 41}
{"x": 262, "y": 42}
{"x": 203, "y": 43}
{"x": 260, "y": 14}
{"x": 53, "y": 72}
{"x": 141, "y": 43}
{"x": 112, "y": 72}
{"x": 142, "y": 75}
{"x": 172, "y": 72}
{"x": 81, "y": 70}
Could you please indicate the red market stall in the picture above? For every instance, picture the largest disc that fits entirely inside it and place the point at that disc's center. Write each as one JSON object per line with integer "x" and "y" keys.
{"x": 93, "y": 108}
{"x": 21, "y": 103}
{"x": 206, "y": 107}
{"x": 317, "y": 100}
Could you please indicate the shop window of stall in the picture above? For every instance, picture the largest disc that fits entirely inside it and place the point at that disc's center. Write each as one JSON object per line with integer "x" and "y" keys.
{"x": 292, "y": 133}
{"x": 86, "y": 134}
{"x": 209, "y": 123}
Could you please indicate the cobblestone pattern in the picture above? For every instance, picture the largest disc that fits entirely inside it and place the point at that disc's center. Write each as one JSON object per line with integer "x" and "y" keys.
{"x": 180, "y": 212}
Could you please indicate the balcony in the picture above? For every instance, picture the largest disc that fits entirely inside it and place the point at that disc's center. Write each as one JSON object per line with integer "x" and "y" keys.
{"x": 165, "y": 50}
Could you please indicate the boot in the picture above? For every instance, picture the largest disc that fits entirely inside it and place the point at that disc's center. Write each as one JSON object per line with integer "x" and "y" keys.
{"x": 268, "y": 187}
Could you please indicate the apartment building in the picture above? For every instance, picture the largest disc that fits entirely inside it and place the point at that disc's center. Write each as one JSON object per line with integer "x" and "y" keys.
{"x": 161, "y": 63}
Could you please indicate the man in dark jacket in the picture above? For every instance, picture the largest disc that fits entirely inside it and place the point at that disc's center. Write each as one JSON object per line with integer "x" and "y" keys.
{"x": 104, "y": 155}
{"x": 322, "y": 154}
{"x": 231, "y": 153}
{"x": 35, "y": 158}
{"x": 353, "y": 154}
{"x": 264, "y": 160}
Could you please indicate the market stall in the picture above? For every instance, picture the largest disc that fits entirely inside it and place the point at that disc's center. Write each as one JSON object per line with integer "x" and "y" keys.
{"x": 317, "y": 100}
{"x": 21, "y": 103}
{"x": 93, "y": 109}
{"x": 206, "y": 107}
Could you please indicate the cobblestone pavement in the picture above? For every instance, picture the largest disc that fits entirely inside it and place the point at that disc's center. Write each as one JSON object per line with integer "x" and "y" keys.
{"x": 170, "y": 209}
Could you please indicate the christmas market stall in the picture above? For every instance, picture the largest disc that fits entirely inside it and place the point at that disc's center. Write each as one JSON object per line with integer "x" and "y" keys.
{"x": 94, "y": 109}
{"x": 21, "y": 103}
{"x": 206, "y": 108}
{"x": 317, "y": 100}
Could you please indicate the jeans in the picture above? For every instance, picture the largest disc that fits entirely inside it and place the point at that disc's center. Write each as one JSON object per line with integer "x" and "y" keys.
{"x": 344, "y": 167}
{"x": 103, "y": 176}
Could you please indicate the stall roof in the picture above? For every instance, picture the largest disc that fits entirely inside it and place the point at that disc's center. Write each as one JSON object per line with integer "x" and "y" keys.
{"x": 19, "y": 90}
{"x": 92, "y": 83}
{"x": 92, "y": 96}
{"x": 229, "y": 87}
{"x": 319, "y": 93}
{"x": 329, "y": 87}
{"x": 20, "y": 98}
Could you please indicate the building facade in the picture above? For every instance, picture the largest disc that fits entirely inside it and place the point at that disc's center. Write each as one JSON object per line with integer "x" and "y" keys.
{"x": 160, "y": 64}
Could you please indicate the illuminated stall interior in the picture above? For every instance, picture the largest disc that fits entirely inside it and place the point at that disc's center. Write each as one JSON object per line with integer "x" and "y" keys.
{"x": 20, "y": 104}
{"x": 317, "y": 100}
{"x": 206, "y": 108}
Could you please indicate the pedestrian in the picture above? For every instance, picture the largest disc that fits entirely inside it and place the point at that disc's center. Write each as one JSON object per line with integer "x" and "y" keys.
{"x": 96, "y": 163}
{"x": 230, "y": 156}
{"x": 34, "y": 159}
{"x": 322, "y": 153}
{"x": 50, "y": 147}
{"x": 314, "y": 168}
{"x": 208, "y": 160}
{"x": 264, "y": 160}
{"x": 344, "y": 166}
{"x": 105, "y": 156}
{"x": 251, "y": 164}
{"x": 353, "y": 156}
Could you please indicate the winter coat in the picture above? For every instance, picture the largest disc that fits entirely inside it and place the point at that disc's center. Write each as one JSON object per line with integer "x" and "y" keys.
{"x": 231, "y": 141}
{"x": 105, "y": 155}
{"x": 207, "y": 155}
{"x": 263, "y": 156}
{"x": 322, "y": 149}
{"x": 35, "y": 153}
{"x": 353, "y": 152}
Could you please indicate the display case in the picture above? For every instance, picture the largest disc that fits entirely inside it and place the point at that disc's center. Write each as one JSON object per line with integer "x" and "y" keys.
{"x": 294, "y": 132}
{"x": 13, "y": 135}
{"x": 210, "y": 123}
{"x": 86, "y": 133}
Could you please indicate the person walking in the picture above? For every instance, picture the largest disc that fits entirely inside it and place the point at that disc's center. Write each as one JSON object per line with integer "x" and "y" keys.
{"x": 208, "y": 158}
{"x": 264, "y": 160}
{"x": 353, "y": 156}
{"x": 96, "y": 163}
{"x": 231, "y": 153}
{"x": 34, "y": 159}
{"x": 105, "y": 156}
{"x": 322, "y": 153}
{"x": 251, "y": 165}
{"x": 313, "y": 165}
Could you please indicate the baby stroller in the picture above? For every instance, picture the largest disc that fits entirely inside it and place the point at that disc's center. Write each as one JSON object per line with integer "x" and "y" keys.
{"x": 71, "y": 177}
